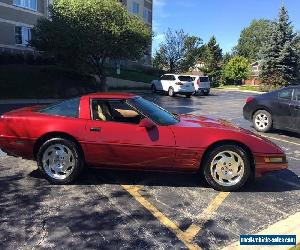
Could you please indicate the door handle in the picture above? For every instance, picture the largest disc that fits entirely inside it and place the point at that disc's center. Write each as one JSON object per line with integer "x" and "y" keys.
{"x": 95, "y": 129}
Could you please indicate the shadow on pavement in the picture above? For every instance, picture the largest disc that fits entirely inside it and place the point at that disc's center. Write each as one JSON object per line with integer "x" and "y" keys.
{"x": 281, "y": 181}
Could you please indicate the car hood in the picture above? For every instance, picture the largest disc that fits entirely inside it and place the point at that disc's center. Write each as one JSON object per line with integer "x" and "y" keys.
{"x": 206, "y": 121}
{"x": 193, "y": 121}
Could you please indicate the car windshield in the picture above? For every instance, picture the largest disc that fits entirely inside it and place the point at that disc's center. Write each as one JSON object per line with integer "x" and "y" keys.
{"x": 153, "y": 111}
{"x": 185, "y": 78}
{"x": 204, "y": 79}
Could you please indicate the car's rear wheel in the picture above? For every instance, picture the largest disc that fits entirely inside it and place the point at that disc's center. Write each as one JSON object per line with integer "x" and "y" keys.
{"x": 188, "y": 96}
{"x": 60, "y": 160}
{"x": 206, "y": 93}
{"x": 171, "y": 92}
{"x": 262, "y": 121}
{"x": 153, "y": 89}
{"x": 227, "y": 168}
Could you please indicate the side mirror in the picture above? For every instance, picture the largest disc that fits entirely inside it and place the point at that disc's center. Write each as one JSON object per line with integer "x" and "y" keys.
{"x": 146, "y": 123}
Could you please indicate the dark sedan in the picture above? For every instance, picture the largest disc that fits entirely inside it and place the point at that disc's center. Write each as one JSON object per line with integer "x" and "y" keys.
{"x": 279, "y": 109}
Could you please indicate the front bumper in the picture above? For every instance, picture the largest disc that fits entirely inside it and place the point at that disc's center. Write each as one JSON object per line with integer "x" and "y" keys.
{"x": 269, "y": 163}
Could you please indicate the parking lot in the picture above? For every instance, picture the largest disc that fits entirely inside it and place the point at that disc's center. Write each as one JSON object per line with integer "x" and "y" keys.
{"x": 147, "y": 210}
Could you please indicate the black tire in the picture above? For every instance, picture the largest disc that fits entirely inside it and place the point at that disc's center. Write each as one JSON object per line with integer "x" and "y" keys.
{"x": 76, "y": 152}
{"x": 153, "y": 89}
{"x": 206, "y": 93}
{"x": 171, "y": 92}
{"x": 207, "y": 168}
{"x": 188, "y": 96}
{"x": 262, "y": 121}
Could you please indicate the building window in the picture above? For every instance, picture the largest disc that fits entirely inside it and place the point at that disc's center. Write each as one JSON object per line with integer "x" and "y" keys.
{"x": 135, "y": 8}
{"x": 147, "y": 16}
{"x": 22, "y": 35}
{"x": 28, "y": 4}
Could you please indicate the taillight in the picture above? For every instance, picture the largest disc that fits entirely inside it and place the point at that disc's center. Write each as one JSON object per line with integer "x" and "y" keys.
{"x": 250, "y": 99}
{"x": 179, "y": 83}
{"x": 198, "y": 82}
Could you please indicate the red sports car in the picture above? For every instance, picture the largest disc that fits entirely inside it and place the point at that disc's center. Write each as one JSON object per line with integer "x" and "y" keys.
{"x": 125, "y": 131}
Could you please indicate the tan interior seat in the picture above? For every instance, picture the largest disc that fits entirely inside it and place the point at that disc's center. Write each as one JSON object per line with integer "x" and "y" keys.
{"x": 100, "y": 113}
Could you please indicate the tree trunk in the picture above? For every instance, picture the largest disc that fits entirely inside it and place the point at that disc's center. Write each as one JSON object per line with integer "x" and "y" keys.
{"x": 103, "y": 86}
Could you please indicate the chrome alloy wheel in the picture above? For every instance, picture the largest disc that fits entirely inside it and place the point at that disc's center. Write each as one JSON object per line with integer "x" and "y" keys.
{"x": 58, "y": 161}
{"x": 227, "y": 168}
{"x": 261, "y": 121}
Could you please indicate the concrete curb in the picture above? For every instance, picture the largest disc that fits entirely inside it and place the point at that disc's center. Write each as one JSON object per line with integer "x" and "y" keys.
{"x": 46, "y": 101}
{"x": 29, "y": 101}
{"x": 290, "y": 226}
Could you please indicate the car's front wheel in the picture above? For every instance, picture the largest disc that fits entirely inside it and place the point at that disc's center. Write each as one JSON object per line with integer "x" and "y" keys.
{"x": 227, "y": 168}
{"x": 262, "y": 121}
{"x": 60, "y": 160}
{"x": 171, "y": 92}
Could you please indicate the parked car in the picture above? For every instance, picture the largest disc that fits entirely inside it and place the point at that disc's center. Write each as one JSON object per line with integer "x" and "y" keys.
{"x": 201, "y": 84}
{"x": 279, "y": 109}
{"x": 174, "y": 84}
{"x": 125, "y": 131}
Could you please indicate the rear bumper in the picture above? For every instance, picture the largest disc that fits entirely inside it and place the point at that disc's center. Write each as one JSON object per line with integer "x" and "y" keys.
{"x": 247, "y": 113}
{"x": 262, "y": 166}
{"x": 18, "y": 147}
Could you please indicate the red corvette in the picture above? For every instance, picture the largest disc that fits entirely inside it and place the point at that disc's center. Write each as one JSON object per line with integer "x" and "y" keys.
{"x": 125, "y": 131}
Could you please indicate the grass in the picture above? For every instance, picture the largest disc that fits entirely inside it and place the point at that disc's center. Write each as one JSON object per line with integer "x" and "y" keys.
{"x": 133, "y": 75}
{"x": 241, "y": 87}
{"x": 296, "y": 247}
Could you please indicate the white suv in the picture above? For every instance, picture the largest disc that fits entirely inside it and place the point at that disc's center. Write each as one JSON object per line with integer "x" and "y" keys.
{"x": 174, "y": 84}
{"x": 201, "y": 84}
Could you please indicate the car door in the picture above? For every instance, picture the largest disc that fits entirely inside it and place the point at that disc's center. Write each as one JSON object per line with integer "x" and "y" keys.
{"x": 167, "y": 82}
{"x": 295, "y": 109}
{"x": 123, "y": 143}
{"x": 282, "y": 109}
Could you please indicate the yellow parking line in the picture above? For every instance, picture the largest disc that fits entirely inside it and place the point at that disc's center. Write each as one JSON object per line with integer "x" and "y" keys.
{"x": 282, "y": 140}
{"x": 185, "y": 236}
{"x": 212, "y": 207}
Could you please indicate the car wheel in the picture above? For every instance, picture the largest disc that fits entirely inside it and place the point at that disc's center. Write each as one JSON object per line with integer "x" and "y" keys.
{"x": 188, "y": 96}
{"x": 153, "y": 89}
{"x": 227, "y": 168}
{"x": 262, "y": 121}
{"x": 60, "y": 160}
{"x": 171, "y": 92}
{"x": 206, "y": 93}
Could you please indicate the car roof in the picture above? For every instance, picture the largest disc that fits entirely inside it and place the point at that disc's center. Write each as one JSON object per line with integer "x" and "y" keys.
{"x": 110, "y": 95}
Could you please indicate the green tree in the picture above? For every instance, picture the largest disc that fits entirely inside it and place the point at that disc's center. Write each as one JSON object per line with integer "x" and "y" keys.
{"x": 83, "y": 34}
{"x": 212, "y": 59}
{"x": 237, "y": 69}
{"x": 193, "y": 50}
{"x": 178, "y": 52}
{"x": 253, "y": 38}
{"x": 280, "y": 64}
{"x": 171, "y": 51}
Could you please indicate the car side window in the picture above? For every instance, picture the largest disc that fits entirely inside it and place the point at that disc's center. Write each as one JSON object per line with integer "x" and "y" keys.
{"x": 69, "y": 108}
{"x": 172, "y": 78}
{"x": 285, "y": 94}
{"x": 114, "y": 111}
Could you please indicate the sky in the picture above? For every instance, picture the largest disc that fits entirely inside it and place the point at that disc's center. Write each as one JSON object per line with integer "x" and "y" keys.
{"x": 223, "y": 18}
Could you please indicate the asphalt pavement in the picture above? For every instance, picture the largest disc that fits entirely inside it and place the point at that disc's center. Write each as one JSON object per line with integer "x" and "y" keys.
{"x": 145, "y": 210}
